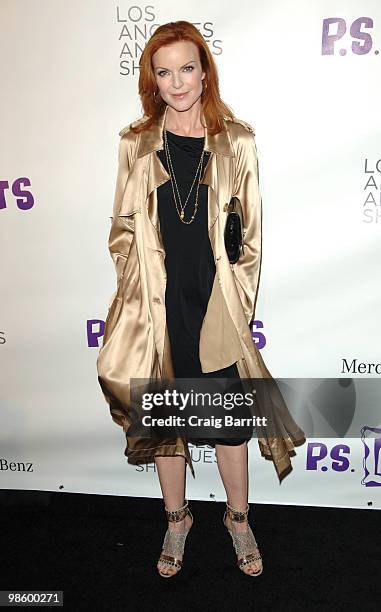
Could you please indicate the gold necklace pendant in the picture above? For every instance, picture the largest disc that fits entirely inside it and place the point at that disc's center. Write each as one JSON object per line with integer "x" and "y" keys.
{"x": 174, "y": 183}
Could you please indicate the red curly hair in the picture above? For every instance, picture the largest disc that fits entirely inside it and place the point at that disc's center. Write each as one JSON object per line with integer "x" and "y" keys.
{"x": 212, "y": 106}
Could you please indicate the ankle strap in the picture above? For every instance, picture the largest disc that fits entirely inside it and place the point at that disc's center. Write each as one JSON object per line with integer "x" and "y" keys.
{"x": 237, "y": 515}
{"x": 174, "y": 516}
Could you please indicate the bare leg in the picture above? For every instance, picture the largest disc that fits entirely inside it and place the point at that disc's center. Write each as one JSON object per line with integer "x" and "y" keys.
{"x": 171, "y": 472}
{"x": 232, "y": 465}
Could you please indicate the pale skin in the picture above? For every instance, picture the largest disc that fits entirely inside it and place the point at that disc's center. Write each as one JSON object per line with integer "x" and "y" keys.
{"x": 177, "y": 68}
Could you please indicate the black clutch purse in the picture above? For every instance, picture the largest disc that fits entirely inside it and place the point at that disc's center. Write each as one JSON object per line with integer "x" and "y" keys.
{"x": 233, "y": 230}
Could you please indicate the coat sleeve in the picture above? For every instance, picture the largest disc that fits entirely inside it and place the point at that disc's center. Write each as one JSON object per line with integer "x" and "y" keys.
{"x": 122, "y": 229}
{"x": 246, "y": 189}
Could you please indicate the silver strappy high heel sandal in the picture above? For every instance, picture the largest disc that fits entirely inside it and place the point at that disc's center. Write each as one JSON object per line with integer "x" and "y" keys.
{"x": 244, "y": 543}
{"x": 174, "y": 542}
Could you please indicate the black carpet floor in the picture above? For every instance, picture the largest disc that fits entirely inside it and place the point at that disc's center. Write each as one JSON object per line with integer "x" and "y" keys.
{"x": 101, "y": 551}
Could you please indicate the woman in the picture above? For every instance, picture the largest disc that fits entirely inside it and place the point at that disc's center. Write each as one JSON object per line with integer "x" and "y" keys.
{"x": 181, "y": 309}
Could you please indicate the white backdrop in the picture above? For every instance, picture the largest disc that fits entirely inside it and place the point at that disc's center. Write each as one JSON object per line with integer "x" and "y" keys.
{"x": 69, "y": 84}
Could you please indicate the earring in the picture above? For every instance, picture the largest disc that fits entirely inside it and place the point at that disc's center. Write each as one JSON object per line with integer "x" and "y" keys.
{"x": 154, "y": 97}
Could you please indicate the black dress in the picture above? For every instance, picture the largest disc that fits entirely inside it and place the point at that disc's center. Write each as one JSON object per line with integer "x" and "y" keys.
{"x": 189, "y": 263}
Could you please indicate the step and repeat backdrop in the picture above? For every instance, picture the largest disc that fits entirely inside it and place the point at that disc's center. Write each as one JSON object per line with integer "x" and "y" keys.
{"x": 305, "y": 75}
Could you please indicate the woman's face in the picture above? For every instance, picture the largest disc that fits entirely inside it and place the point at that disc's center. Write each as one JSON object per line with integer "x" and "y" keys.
{"x": 177, "y": 70}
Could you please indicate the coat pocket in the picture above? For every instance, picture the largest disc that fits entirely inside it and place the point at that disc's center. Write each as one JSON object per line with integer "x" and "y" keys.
{"x": 128, "y": 220}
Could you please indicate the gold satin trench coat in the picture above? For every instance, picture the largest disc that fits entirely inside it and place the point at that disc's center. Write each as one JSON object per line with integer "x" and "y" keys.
{"x": 136, "y": 342}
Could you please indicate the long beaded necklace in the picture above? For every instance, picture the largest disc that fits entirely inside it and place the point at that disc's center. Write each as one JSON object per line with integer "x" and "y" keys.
{"x": 174, "y": 182}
